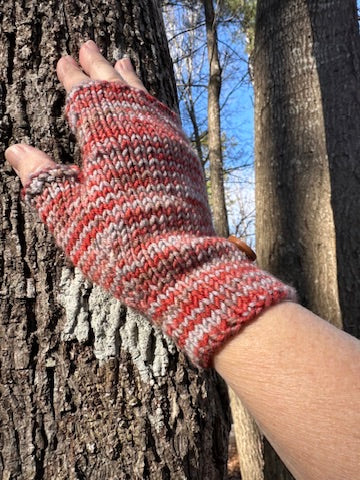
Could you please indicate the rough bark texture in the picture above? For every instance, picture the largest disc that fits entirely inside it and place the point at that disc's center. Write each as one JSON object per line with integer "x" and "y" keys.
{"x": 307, "y": 145}
{"x": 214, "y": 128}
{"x": 295, "y": 227}
{"x": 307, "y": 81}
{"x": 88, "y": 390}
{"x": 336, "y": 50}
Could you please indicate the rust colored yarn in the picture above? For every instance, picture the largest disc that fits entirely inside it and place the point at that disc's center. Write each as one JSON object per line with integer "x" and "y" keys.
{"x": 135, "y": 219}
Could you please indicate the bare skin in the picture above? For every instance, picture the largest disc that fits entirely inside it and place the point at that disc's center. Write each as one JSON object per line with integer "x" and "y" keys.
{"x": 27, "y": 160}
{"x": 300, "y": 378}
{"x": 298, "y": 375}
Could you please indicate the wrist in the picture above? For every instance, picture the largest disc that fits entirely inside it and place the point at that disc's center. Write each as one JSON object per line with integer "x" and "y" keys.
{"x": 205, "y": 306}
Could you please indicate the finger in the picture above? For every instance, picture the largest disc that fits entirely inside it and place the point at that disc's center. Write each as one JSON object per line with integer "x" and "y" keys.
{"x": 69, "y": 73}
{"x": 27, "y": 160}
{"x": 95, "y": 65}
{"x": 126, "y": 70}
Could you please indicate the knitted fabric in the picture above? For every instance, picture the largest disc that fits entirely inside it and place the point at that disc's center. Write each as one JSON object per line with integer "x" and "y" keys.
{"x": 135, "y": 219}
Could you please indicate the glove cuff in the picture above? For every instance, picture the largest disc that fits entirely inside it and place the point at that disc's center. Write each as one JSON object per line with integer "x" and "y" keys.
{"x": 208, "y": 306}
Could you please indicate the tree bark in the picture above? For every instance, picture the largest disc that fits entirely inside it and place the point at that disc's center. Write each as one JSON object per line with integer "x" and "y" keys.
{"x": 88, "y": 389}
{"x": 246, "y": 432}
{"x": 214, "y": 128}
{"x": 295, "y": 225}
{"x": 307, "y": 145}
{"x": 336, "y": 51}
{"x": 249, "y": 441}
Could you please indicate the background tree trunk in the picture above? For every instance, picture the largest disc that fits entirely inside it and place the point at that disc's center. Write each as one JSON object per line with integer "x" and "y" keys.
{"x": 88, "y": 389}
{"x": 295, "y": 227}
{"x": 307, "y": 145}
{"x": 214, "y": 128}
{"x": 249, "y": 441}
{"x": 336, "y": 50}
{"x": 246, "y": 433}
{"x": 185, "y": 32}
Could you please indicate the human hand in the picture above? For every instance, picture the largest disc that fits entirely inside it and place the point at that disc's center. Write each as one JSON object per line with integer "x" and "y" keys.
{"x": 135, "y": 218}
{"x": 27, "y": 160}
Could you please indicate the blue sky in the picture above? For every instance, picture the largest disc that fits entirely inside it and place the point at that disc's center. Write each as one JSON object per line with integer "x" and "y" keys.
{"x": 236, "y": 99}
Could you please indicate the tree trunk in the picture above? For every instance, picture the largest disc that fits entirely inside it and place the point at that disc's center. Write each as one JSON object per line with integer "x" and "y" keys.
{"x": 295, "y": 225}
{"x": 307, "y": 146}
{"x": 214, "y": 128}
{"x": 249, "y": 442}
{"x": 246, "y": 432}
{"x": 336, "y": 50}
{"x": 88, "y": 389}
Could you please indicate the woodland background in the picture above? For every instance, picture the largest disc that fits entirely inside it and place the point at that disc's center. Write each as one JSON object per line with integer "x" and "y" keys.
{"x": 88, "y": 389}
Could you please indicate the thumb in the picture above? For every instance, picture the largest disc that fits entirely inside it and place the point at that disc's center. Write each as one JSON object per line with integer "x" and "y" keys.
{"x": 27, "y": 161}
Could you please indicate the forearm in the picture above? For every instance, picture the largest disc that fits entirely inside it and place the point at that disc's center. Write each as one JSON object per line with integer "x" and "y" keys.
{"x": 299, "y": 376}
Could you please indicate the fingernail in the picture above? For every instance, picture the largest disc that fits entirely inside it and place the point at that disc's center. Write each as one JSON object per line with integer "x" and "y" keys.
{"x": 126, "y": 63}
{"x": 91, "y": 45}
{"x": 68, "y": 59}
{"x": 15, "y": 151}
{"x": 14, "y": 154}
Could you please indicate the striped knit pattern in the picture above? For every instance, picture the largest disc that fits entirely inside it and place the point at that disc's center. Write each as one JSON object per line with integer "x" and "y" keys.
{"x": 135, "y": 219}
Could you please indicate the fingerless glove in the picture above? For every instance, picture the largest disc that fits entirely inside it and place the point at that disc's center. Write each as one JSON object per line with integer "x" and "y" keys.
{"x": 135, "y": 219}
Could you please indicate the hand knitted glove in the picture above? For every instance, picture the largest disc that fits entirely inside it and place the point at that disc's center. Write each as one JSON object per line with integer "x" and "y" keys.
{"x": 135, "y": 219}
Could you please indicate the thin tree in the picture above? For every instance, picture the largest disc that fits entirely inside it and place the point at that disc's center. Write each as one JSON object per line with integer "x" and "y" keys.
{"x": 247, "y": 435}
{"x": 307, "y": 145}
{"x": 184, "y": 27}
{"x": 88, "y": 389}
{"x": 189, "y": 42}
{"x": 214, "y": 125}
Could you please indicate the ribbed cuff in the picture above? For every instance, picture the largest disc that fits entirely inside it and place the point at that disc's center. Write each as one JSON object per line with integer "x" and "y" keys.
{"x": 210, "y": 305}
